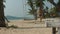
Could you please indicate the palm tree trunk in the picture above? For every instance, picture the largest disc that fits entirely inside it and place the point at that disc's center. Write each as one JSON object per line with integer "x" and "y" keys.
{"x": 41, "y": 10}
{"x": 2, "y": 20}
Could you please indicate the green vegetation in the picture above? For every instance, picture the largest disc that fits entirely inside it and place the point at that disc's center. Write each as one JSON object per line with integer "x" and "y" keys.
{"x": 40, "y": 4}
{"x": 33, "y": 10}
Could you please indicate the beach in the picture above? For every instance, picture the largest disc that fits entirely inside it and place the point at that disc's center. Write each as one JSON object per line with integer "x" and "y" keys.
{"x": 26, "y": 31}
{"x": 26, "y": 27}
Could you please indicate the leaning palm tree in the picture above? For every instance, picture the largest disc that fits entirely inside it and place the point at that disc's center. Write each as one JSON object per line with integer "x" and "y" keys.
{"x": 2, "y": 20}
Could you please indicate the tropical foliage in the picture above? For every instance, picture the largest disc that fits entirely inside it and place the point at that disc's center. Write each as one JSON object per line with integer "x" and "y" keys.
{"x": 32, "y": 10}
{"x": 55, "y": 10}
{"x": 40, "y": 4}
{"x": 31, "y": 4}
{"x": 56, "y": 5}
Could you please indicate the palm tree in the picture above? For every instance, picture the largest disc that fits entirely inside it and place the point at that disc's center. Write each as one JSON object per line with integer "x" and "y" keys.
{"x": 57, "y": 6}
{"x": 58, "y": 10}
{"x": 33, "y": 10}
{"x": 2, "y": 20}
{"x": 39, "y": 3}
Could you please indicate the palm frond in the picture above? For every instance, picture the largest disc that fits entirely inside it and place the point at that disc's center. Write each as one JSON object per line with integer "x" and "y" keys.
{"x": 52, "y": 2}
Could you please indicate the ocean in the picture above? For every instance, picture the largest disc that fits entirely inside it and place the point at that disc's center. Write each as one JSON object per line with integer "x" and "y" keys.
{"x": 19, "y": 18}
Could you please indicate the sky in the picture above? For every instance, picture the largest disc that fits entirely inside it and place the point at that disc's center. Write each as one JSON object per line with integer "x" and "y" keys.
{"x": 14, "y": 8}
{"x": 18, "y": 8}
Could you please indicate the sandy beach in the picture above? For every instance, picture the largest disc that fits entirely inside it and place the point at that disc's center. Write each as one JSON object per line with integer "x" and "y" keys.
{"x": 26, "y": 27}
{"x": 26, "y": 31}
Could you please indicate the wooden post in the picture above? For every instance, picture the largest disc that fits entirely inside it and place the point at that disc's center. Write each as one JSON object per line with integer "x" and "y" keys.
{"x": 54, "y": 30}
